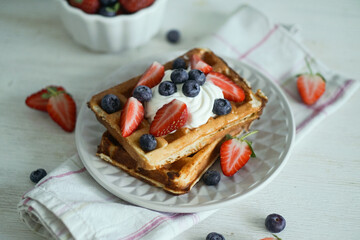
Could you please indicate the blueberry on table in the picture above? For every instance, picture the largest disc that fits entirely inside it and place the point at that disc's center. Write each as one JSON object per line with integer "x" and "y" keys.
{"x": 191, "y": 88}
{"x": 142, "y": 93}
{"x": 197, "y": 75}
{"x": 221, "y": 107}
{"x": 275, "y": 223}
{"x": 211, "y": 177}
{"x": 148, "y": 142}
{"x": 37, "y": 175}
{"x": 173, "y": 36}
{"x": 179, "y": 76}
{"x": 110, "y": 103}
{"x": 167, "y": 88}
{"x": 179, "y": 63}
{"x": 214, "y": 236}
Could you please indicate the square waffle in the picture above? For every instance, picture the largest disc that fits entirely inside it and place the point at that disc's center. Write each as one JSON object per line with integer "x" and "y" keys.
{"x": 183, "y": 142}
{"x": 175, "y": 178}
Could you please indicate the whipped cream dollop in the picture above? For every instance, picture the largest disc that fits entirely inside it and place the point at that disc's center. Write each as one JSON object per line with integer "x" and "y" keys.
{"x": 199, "y": 107}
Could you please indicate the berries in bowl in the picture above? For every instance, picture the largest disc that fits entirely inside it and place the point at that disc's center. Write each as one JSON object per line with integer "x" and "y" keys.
{"x": 109, "y": 25}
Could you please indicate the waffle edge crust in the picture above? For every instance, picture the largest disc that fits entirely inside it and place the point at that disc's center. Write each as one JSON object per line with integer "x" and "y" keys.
{"x": 184, "y": 142}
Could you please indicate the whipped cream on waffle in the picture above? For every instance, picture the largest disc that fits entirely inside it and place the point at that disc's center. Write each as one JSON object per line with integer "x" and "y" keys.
{"x": 199, "y": 107}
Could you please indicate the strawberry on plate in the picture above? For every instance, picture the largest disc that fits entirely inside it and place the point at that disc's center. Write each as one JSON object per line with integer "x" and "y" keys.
{"x": 235, "y": 153}
{"x": 131, "y": 116}
{"x": 310, "y": 86}
{"x": 197, "y": 63}
{"x": 168, "y": 118}
{"x": 88, "y": 6}
{"x": 132, "y": 6}
{"x": 40, "y": 99}
{"x": 62, "y": 109}
{"x": 231, "y": 91}
{"x": 152, "y": 76}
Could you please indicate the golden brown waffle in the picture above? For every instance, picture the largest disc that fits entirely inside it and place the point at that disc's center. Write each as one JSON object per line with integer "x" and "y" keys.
{"x": 184, "y": 141}
{"x": 176, "y": 178}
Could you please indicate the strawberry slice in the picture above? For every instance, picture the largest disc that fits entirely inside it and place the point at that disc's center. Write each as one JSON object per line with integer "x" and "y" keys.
{"x": 152, "y": 76}
{"x": 168, "y": 118}
{"x": 131, "y": 116}
{"x": 310, "y": 86}
{"x": 197, "y": 63}
{"x": 62, "y": 109}
{"x": 40, "y": 99}
{"x": 234, "y": 154}
{"x": 231, "y": 91}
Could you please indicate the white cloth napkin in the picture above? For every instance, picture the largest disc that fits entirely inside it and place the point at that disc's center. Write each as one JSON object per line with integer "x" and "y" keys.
{"x": 69, "y": 204}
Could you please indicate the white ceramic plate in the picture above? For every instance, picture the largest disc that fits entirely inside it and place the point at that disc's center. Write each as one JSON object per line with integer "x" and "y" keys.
{"x": 272, "y": 145}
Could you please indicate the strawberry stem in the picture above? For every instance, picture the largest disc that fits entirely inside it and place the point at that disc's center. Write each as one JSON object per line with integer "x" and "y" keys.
{"x": 308, "y": 66}
{"x": 248, "y": 134}
{"x": 276, "y": 237}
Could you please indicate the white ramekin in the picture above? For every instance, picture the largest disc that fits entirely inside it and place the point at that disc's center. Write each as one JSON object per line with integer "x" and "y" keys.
{"x": 112, "y": 34}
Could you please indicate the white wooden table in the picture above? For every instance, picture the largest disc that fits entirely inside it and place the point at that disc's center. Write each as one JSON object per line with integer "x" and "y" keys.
{"x": 318, "y": 191}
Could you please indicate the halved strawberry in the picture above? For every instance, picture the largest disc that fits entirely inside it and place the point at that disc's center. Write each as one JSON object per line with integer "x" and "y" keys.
{"x": 168, "y": 118}
{"x": 271, "y": 238}
{"x": 40, "y": 99}
{"x": 197, "y": 63}
{"x": 234, "y": 154}
{"x": 310, "y": 86}
{"x": 131, "y": 116}
{"x": 231, "y": 91}
{"x": 88, "y": 6}
{"x": 62, "y": 109}
{"x": 152, "y": 76}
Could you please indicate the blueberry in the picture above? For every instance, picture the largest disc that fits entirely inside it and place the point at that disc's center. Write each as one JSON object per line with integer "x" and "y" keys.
{"x": 147, "y": 142}
{"x": 109, "y": 10}
{"x": 191, "y": 88}
{"x": 179, "y": 63}
{"x": 221, "y": 107}
{"x": 167, "y": 88}
{"x": 106, "y": 12}
{"x": 108, "y": 2}
{"x": 37, "y": 175}
{"x": 179, "y": 76}
{"x": 197, "y": 75}
{"x": 142, "y": 93}
{"x": 173, "y": 36}
{"x": 275, "y": 223}
{"x": 211, "y": 177}
{"x": 214, "y": 236}
{"x": 110, "y": 103}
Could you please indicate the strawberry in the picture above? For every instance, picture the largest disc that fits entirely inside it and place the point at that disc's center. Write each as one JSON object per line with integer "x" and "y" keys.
{"x": 168, "y": 118}
{"x": 152, "y": 76}
{"x": 40, "y": 99}
{"x": 235, "y": 153}
{"x": 131, "y": 116}
{"x": 88, "y": 6}
{"x": 231, "y": 91}
{"x": 197, "y": 63}
{"x": 271, "y": 238}
{"x": 132, "y": 6}
{"x": 310, "y": 86}
{"x": 62, "y": 109}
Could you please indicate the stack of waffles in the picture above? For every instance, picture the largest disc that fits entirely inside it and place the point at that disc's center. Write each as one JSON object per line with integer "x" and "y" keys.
{"x": 184, "y": 155}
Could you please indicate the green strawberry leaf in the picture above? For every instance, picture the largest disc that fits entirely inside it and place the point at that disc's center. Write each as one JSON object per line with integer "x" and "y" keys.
{"x": 322, "y": 77}
{"x": 252, "y": 150}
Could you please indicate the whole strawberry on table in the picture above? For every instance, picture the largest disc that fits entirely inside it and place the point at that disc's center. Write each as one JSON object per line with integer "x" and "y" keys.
{"x": 110, "y": 8}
